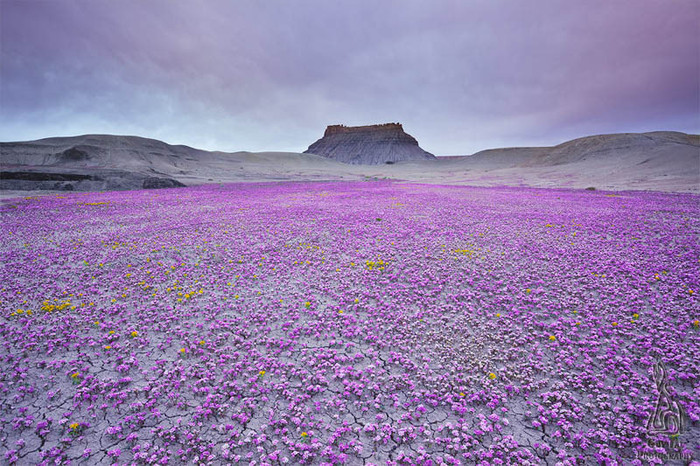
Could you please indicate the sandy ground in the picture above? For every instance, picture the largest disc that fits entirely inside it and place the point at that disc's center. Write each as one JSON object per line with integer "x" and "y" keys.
{"x": 601, "y": 176}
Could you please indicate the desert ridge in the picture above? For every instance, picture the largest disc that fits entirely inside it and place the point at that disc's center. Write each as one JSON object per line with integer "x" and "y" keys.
{"x": 655, "y": 161}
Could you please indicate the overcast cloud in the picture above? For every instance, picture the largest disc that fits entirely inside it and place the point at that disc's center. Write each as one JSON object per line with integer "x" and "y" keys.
{"x": 270, "y": 75}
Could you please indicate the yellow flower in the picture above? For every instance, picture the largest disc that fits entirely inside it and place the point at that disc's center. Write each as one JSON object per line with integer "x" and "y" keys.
{"x": 340, "y": 312}
{"x": 134, "y": 334}
{"x": 304, "y": 434}
{"x": 498, "y": 315}
{"x": 696, "y": 323}
{"x": 202, "y": 342}
{"x": 492, "y": 375}
{"x": 357, "y": 300}
{"x": 111, "y": 332}
{"x": 552, "y": 338}
{"x": 75, "y": 375}
{"x": 183, "y": 350}
{"x": 614, "y": 324}
{"x": 108, "y": 347}
{"x": 74, "y": 426}
{"x": 528, "y": 290}
{"x": 635, "y": 316}
{"x": 461, "y": 394}
{"x": 97, "y": 322}
{"x": 261, "y": 373}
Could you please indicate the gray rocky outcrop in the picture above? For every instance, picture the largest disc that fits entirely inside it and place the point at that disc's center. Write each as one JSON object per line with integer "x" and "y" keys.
{"x": 91, "y": 163}
{"x": 368, "y": 145}
{"x": 62, "y": 179}
{"x": 153, "y": 182}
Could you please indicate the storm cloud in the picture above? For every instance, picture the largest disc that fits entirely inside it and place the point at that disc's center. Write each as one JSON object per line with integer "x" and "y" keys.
{"x": 251, "y": 75}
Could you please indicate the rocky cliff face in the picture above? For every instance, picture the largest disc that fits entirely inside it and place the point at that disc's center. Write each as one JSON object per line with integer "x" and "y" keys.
{"x": 368, "y": 145}
{"x": 90, "y": 163}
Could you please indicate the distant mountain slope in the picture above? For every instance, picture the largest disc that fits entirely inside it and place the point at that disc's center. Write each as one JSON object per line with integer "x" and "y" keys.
{"x": 645, "y": 145}
{"x": 108, "y": 162}
{"x": 664, "y": 161}
{"x": 97, "y": 150}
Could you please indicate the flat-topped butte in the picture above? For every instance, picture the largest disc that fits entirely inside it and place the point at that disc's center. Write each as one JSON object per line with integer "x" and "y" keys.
{"x": 335, "y": 129}
{"x": 368, "y": 145}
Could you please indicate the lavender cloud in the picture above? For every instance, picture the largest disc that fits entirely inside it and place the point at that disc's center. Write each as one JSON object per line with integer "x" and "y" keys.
{"x": 461, "y": 77}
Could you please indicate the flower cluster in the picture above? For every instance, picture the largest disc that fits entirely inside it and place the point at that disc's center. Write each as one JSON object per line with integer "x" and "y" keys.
{"x": 231, "y": 324}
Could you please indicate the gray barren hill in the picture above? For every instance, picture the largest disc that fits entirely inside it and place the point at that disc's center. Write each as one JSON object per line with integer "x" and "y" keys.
{"x": 368, "y": 145}
{"x": 102, "y": 162}
{"x": 658, "y": 161}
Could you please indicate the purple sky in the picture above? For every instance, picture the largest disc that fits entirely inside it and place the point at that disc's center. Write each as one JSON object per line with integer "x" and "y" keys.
{"x": 270, "y": 75}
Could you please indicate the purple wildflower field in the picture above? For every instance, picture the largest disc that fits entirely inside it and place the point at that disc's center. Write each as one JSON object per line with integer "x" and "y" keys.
{"x": 349, "y": 323}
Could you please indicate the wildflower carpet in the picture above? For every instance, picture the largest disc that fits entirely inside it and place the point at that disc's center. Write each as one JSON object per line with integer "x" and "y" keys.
{"x": 349, "y": 323}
